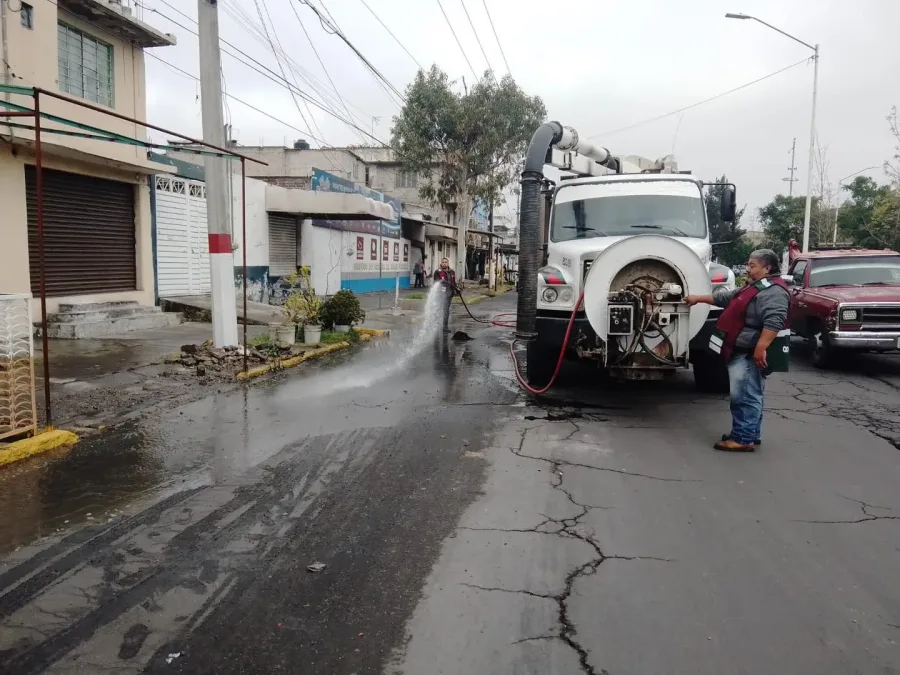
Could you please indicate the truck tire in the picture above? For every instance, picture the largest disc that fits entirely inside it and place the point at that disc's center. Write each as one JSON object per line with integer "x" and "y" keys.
{"x": 540, "y": 363}
{"x": 710, "y": 374}
{"x": 824, "y": 354}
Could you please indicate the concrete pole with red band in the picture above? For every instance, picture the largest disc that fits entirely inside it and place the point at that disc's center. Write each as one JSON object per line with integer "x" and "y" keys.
{"x": 221, "y": 255}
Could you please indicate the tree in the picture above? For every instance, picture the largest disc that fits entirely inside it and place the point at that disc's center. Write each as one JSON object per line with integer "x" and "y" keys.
{"x": 734, "y": 252}
{"x": 782, "y": 220}
{"x": 476, "y": 138}
{"x": 892, "y": 166}
{"x": 856, "y": 216}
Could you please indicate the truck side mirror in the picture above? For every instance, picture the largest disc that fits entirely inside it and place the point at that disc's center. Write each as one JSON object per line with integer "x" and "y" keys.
{"x": 729, "y": 204}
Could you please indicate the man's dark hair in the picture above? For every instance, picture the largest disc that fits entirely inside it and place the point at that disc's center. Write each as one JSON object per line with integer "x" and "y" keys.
{"x": 768, "y": 258}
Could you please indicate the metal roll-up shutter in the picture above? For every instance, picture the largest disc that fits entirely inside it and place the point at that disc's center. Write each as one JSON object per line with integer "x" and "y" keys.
{"x": 89, "y": 234}
{"x": 282, "y": 244}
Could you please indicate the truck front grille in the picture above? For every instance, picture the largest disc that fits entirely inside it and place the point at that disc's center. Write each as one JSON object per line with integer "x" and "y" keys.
{"x": 587, "y": 268}
{"x": 881, "y": 318}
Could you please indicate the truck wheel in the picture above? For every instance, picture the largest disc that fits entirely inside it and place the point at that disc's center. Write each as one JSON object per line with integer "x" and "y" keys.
{"x": 824, "y": 354}
{"x": 710, "y": 374}
{"x": 540, "y": 364}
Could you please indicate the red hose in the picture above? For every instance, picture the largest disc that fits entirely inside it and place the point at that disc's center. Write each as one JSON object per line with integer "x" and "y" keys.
{"x": 562, "y": 354}
{"x": 507, "y": 323}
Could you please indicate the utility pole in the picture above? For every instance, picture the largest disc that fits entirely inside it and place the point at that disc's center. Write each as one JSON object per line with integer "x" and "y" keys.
{"x": 492, "y": 271}
{"x": 462, "y": 226}
{"x": 792, "y": 169}
{"x": 221, "y": 255}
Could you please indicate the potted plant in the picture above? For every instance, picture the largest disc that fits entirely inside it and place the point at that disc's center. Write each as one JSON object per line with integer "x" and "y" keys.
{"x": 342, "y": 311}
{"x": 292, "y": 312}
{"x": 310, "y": 308}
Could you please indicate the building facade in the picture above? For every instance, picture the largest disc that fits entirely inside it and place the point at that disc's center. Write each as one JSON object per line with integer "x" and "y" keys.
{"x": 97, "y": 211}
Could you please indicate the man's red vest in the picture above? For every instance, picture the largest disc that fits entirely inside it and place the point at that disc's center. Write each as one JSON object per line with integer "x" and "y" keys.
{"x": 731, "y": 322}
{"x": 449, "y": 276}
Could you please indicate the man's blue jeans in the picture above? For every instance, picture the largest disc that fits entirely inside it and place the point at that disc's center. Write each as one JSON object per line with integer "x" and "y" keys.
{"x": 747, "y": 387}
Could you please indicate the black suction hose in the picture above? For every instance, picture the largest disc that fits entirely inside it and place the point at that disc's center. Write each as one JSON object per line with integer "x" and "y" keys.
{"x": 530, "y": 231}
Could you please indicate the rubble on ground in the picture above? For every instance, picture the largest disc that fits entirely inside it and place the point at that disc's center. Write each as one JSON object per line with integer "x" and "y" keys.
{"x": 205, "y": 360}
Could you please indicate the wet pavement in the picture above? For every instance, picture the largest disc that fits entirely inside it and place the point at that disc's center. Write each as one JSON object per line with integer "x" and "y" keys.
{"x": 463, "y": 528}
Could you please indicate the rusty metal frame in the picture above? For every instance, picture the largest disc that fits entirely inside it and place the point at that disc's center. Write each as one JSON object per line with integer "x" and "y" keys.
{"x": 35, "y": 113}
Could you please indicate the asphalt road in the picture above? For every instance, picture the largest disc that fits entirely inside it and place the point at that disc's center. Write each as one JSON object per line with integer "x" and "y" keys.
{"x": 467, "y": 530}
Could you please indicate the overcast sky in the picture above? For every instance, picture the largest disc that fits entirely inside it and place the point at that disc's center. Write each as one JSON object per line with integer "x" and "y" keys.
{"x": 598, "y": 65}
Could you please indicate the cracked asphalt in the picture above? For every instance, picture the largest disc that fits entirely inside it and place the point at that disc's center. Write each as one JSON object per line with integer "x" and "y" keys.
{"x": 466, "y": 529}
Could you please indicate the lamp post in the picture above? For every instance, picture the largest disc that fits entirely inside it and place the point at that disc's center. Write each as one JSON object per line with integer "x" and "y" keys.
{"x": 812, "y": 125}
{"x": 837, "y": 208}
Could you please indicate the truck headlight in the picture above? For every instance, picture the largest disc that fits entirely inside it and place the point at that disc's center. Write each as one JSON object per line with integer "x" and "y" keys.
{"x": 849, "y": 315}
{"x": 549, "y": 295}
{"x": 566, "y": 295}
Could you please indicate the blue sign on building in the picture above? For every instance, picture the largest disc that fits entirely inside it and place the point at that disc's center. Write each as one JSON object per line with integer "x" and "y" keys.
{"x": 322, "y": 181}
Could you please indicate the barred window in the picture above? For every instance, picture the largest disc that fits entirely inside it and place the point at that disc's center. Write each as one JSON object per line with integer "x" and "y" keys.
{"x": 407, "y": 179}
{"x": 85, "y": 66}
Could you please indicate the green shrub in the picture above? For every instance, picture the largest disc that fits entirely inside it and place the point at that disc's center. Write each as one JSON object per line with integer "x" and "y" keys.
{"x": 332, "y": 337}
{"x": 342, "y": 309}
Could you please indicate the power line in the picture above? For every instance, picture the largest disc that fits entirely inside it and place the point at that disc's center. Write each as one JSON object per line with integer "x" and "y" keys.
{"x": 270, "y": 74}
{"x": 322, "y": 63}
{"x": 235, "y": 98}
{"x": 496, "y": 37}
{"x": 477, "y": 39}
{"x": 450, "y": 25}
{"x": 699, "y": 103}
{"x": 337, "y": 31}
{"x": 396, "y": 39}
{"x": 278, "y": 60}
{"x": 245, "y": 21}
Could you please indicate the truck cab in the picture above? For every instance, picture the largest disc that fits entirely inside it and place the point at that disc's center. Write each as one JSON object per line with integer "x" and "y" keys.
{"x": 844, "y": 301}
{"x": 631, "y": 242}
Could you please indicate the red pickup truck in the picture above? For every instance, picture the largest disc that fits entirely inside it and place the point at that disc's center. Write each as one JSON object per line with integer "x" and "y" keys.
{"x": 846, "y": 300}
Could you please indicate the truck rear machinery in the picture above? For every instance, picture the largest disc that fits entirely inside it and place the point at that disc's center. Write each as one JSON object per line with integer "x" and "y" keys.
{"x": 603, "y": 277}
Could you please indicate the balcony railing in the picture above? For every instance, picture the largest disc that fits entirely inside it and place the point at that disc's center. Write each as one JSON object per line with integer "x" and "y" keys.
{"x": 122, "y": 18}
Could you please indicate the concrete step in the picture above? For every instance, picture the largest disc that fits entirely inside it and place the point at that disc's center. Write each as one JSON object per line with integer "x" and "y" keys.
{"x": 66, "y": 308}
{"x": 73, "y": 316}
{"x": 86, "y": 329}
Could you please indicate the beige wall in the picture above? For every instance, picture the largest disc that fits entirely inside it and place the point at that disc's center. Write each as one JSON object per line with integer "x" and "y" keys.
{"x": 14, "y": 254}
{"x": 286, "y": 162}
{"x": 33, "y": 62}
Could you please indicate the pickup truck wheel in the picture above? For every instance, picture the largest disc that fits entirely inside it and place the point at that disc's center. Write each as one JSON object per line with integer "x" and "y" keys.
{"x": 824, "y": 354}
{"x": 540, "y": 363}
{"x": 710, "y": 374}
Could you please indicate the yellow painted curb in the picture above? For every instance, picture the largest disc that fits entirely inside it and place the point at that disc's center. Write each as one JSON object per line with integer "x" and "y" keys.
{"x": 42, "y": 442}
{"x": 374, "y": 332}
{"x": 291, "y": 362}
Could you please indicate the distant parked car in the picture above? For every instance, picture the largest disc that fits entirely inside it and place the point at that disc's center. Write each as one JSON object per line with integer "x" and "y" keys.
{"x": 846, "y": 300}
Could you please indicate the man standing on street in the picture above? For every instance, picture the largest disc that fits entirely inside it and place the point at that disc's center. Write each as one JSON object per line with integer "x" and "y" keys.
{"x": 419, "y": 272}
{"x": 753, "y": 336}
{"x": 446, "y": 277}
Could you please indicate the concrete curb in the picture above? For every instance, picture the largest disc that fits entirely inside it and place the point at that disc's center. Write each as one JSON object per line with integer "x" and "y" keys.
{"x": 373, "y": 332}
{"x": 52, "y": 439}
{"x": 291, "y": 362}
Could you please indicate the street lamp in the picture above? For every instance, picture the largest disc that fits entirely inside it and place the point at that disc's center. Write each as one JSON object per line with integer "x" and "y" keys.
{"x": 838, "y": 207}
{"x": 812, "y": 125}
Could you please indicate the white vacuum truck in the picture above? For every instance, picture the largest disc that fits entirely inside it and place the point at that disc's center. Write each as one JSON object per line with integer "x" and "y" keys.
{"x": 629, "y": 236}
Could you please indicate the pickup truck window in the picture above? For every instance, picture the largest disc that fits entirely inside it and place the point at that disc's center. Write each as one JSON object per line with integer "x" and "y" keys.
{"x": 855, "y": 271}
{"x": 799, "y": 272}
{"x": 627, "y": 215}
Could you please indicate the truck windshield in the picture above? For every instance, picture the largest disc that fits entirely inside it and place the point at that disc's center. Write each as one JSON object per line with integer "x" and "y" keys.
{"x": 620, "y": 214}
{"x": 868, "y": 271}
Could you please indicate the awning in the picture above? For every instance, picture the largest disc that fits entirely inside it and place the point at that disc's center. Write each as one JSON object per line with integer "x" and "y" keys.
{"x": 55, "y": 150}
{"x": 326, "y": 205}
{"x": 441, "y": 233}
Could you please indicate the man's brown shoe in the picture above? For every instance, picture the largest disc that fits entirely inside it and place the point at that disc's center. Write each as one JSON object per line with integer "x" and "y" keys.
{"x": 757, "y": 442}
{"x": 733, "y": 446}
